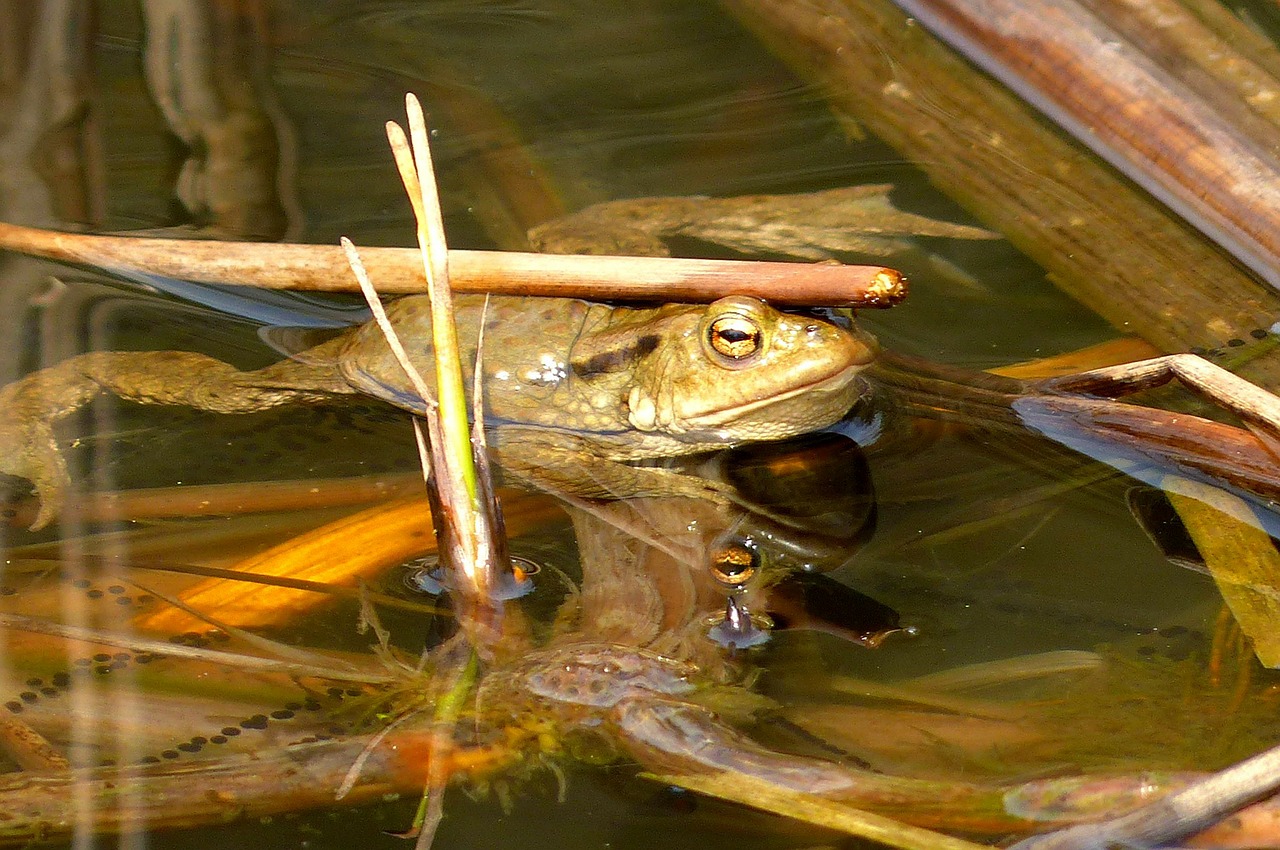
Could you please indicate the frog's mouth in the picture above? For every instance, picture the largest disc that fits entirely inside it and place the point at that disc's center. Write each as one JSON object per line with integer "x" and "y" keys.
{"x": 833, "y": 383}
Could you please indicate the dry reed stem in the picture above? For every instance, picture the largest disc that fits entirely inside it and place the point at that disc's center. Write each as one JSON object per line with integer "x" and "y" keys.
{"x": 1181, "y": 147}
{"x": 323, "y": 268}
{"x": 813, "y": 809}
{"x": 198, "y": 500}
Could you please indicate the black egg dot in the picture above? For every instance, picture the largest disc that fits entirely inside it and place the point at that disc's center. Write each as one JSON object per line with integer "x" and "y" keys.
{"x": 81, "y": 583}
{"x": 1258, "y": 333}
{"x": 101, "y": 657}
{"x": 28, "y": 696}
{"x": 1199, "y": 351}
{"x": 148, "y": 760}
{"x": 293, "y": 706}
{"x": 94, "y": 594}
{"x": 188, "y": 747}
{"x": 8, "y": 591}
{"x": 282, "y": 714}
{"x": 258, "y": 721}
{"x": 116, "y": 589}
{"x": 354, "y": 692}
{"x": 122, "y": 656}
{"x": 119, "y": 665}
{"x": 49, "y": 692}
{"x": 144, "y": 658}
{"x": 218, "y": 739}
{"x": 14, "y": 706}
{"x": 230, "y": 731}
{"x": 335, "y": 692}
{"x": 312, "y": 705}
{"x": 144, "y": 598}
{"x": 62, "y": 679}
{"x": 35, "y": 682}
{"x": 199, "y": 740}
{"x": 1235, "y": 343}
{"x": 123, "y": 600}
{"x": 170, "y": 754}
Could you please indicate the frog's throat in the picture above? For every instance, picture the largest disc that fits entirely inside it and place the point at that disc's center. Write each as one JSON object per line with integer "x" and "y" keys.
{"x": 722, "y": 416}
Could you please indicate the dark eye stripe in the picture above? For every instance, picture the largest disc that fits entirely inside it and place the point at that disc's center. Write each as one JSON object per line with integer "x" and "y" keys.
{"x": 615, "y": 360}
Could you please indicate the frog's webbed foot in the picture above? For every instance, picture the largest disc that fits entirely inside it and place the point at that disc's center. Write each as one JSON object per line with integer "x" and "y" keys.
{"x": 813, "y": 226}
{"x": 30, "y": 450}
{"x": 30, "y": 407}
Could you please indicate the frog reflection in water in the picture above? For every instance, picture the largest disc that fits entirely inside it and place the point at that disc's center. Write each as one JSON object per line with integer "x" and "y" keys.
{"x": 574, "y": 392}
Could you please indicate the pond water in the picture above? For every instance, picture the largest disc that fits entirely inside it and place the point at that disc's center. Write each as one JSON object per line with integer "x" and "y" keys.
{"x": 986, "y": 544}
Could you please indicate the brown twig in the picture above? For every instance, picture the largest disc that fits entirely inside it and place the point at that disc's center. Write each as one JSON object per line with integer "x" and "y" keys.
{"x": 399, "y": 270}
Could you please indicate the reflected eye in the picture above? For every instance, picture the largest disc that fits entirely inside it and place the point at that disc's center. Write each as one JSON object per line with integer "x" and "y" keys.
{"x": 734, "y": 563}
{"x": 734, "y": 337}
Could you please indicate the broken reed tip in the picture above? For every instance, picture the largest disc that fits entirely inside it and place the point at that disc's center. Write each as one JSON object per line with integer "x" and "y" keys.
{"x": 887, "y": 288}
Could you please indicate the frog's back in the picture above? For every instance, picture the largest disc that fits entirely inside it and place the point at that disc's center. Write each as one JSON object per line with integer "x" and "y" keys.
{"x": 526, "y": 348}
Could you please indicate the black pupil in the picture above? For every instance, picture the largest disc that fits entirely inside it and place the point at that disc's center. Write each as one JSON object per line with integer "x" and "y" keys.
{"x": 735, "y": 561}
{"x": 735, "y": 335}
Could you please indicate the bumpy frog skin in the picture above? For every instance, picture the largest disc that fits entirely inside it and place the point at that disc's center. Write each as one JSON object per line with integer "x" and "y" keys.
{"x": 573, "y": 391}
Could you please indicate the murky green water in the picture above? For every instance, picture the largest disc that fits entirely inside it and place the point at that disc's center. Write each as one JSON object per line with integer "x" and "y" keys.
{"x": 972, "y": 546}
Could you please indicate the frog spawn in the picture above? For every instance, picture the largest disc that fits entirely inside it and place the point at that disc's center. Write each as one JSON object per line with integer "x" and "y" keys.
{"x": 46, "y": 704}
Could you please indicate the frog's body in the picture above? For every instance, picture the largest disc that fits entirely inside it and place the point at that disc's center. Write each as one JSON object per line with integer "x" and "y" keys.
{"x": 573, "y": 390}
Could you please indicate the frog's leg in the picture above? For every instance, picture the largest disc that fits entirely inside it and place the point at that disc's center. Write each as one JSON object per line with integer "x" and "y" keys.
{"x": 30, "y": 407}
{"x": 561, "y": 463}
{"x": 1256, "y": 406}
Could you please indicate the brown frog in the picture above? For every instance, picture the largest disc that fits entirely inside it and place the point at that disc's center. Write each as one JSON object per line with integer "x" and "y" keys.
{"x": 574, "y": 392}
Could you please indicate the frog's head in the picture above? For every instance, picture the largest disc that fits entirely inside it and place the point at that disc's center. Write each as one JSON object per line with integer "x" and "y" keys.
{"x": 739, "y": 370}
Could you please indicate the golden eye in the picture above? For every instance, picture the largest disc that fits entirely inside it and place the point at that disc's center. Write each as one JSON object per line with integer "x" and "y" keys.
{"x": 733, "y": 564}
{"x": 734, "y": 336}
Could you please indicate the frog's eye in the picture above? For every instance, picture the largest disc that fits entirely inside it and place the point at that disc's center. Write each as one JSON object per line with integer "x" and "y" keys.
{"x": 734, "y": 337}
{"x": 734, "y": 563}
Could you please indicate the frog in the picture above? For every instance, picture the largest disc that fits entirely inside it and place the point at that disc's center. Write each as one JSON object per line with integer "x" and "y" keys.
{"x": 578, "y": 396}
